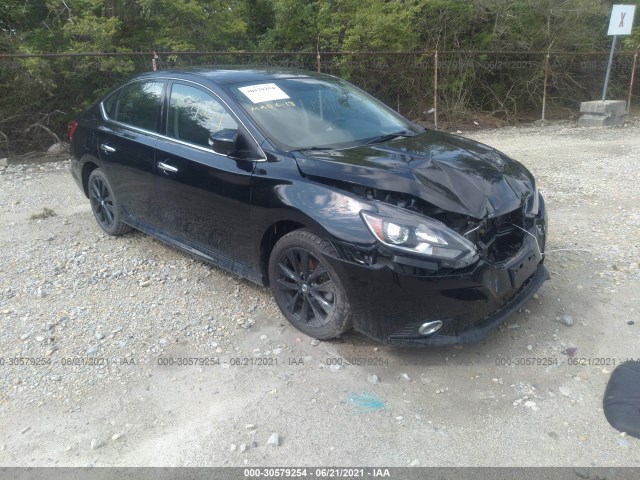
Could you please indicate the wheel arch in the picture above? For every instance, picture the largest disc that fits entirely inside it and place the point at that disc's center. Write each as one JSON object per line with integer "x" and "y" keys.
{"x": 270, "y": 237}
{"x": 89, "y": 164}
{"x": 330, "y": 214}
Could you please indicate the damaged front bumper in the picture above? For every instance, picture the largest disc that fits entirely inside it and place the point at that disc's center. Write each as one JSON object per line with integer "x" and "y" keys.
{"x": 391, "y": 305}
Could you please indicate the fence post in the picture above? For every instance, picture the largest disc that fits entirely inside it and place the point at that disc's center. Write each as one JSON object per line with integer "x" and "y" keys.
{"x": 544, "y": 88}
{"x": 633, "y": 75}
{"x": 546, "y": 79}
{"x": 435, "y": 89}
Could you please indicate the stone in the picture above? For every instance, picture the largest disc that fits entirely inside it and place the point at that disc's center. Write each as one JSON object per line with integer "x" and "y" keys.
{"x": 566, "y": 320}
{"x": 274, "y": 440}
{"x": 603, "y": 114}
{"x": 93, "y": 350}
{"x": 566, "y": 391}
{"x": 58, "y": 148}
{"x": 248, "y": 324}
{"x": 95, "y": 444}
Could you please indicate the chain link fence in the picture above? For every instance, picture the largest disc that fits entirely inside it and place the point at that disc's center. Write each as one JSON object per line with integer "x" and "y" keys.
{"x": 41, "y": 93}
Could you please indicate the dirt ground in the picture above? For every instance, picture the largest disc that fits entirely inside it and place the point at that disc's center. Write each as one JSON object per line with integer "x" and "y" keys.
{"x": 90, "y": 318}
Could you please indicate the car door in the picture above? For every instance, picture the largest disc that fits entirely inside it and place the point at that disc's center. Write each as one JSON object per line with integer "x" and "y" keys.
{"x": 203, "y": 197}
{"x": 126, "y": 146}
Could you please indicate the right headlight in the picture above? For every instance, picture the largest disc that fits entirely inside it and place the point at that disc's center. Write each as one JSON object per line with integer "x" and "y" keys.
{"x": 533, "y": 203}
{"x": 421, "y": 236}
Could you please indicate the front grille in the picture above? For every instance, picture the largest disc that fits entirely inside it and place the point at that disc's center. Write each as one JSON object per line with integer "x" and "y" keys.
{"x": 497, "y": 239}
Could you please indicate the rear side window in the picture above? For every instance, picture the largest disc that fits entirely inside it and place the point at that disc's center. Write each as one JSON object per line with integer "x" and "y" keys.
{"x": 139, "y": 105}
{"x": 194, "y": 115}
{"x": 110, "y": 105}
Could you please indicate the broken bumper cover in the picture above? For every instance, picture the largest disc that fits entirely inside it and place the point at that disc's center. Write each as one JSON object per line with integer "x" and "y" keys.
{"x": 390, "y": 306}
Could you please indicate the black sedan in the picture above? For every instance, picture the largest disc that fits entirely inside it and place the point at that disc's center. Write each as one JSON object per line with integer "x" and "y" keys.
{"x": 353, "y": 215}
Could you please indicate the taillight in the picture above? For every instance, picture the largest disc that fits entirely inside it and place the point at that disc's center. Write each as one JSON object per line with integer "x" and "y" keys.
{"x": 71, "y": 127}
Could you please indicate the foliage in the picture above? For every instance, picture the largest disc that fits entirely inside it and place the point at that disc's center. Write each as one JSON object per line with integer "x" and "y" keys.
{"x": 333, "y": 25}
{"x": 359, "y": 32}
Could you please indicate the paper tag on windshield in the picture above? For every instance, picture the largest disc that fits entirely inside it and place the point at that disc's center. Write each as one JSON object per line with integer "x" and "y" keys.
{"x": 264, "y": 92}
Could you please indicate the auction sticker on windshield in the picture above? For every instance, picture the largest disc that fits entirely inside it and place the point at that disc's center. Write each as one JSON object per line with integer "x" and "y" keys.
{"x": 265, "y": 92}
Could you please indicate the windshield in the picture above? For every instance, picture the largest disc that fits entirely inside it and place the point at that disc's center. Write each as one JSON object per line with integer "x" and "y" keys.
{"x": 304, "y": 113}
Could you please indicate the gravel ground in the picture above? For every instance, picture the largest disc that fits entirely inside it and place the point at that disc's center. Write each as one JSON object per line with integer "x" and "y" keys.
{"x": 90, "y": 318}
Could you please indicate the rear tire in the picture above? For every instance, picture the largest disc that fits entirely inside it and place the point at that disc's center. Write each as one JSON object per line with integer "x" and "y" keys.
{"x": 104, "y": 205}
{"x": 305, "y": 286}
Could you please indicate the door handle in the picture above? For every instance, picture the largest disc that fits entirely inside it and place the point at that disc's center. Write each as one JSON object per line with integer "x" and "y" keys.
{"x": 167, "y": 168}
{"x": 105, "y": 147}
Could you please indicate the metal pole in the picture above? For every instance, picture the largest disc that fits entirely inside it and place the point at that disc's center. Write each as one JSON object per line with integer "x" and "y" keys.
{"x": 606, "y": 79}
{"x": 544, "y": 88}
{"x": 435, "y": 89}
{"x": 633, "y": 76}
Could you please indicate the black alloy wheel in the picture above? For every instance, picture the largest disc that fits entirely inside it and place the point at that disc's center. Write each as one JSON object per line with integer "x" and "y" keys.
{"x": 306, "y": 288}
{"x": 104, "y": 204}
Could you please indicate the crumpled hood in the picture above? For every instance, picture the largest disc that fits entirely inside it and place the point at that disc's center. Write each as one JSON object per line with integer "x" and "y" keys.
{"x": 450, "y": 172}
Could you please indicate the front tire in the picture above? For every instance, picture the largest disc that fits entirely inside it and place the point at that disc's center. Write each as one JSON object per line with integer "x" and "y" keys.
{"x": 104, "y": 205}
{"x": 306, "y": 288}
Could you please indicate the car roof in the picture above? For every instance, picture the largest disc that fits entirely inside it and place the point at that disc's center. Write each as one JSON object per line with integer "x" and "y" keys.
{"x": 233, "y": 74}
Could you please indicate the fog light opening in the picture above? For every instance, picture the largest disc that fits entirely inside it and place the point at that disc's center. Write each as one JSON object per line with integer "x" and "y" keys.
{"x": 430, "y": 328}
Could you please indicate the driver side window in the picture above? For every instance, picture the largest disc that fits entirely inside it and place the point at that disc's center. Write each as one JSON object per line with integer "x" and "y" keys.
{"x": 194, "y": 115}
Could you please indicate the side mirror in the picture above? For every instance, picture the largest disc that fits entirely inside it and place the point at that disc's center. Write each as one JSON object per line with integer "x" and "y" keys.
{"x": 225, "y": 141}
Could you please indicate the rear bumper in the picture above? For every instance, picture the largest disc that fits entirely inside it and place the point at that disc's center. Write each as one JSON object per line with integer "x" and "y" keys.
{"x": 76, "y": 172}
{"x": 390, "y": 306}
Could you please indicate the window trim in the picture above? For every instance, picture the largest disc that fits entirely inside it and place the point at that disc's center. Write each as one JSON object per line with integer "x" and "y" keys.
{"x": 119, "y": 93}
{"x": 169, "y": 91}
{"x": 166, "y": 80}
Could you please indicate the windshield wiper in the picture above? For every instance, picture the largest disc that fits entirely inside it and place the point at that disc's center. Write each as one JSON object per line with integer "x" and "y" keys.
{"x": 314, "y": 148}
{"x": 390, "y": 136}
{"x": 381, "y": 139}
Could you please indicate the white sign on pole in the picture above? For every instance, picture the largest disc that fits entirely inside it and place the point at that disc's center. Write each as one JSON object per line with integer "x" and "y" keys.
{"x": 621, "y": 21}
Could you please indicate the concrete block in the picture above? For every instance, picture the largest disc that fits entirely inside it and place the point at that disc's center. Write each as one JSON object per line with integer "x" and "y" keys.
{"x": 603, "y": 114}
